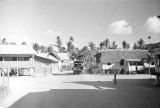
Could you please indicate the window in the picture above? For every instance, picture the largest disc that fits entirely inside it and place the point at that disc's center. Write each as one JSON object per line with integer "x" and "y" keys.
{"x": 1, "y": 58}
{"x": 152, "y": 63}
{"x": 139, "y": 63}
{"x": 108, "y": 63}
{"x": 23, "y": 58}
{"x": 134, "y": 63}
{"x": 122, "y": 62}
{"x": 10, "y": 58}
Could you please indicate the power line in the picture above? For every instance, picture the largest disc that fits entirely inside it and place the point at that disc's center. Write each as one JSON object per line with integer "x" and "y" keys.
{"x": 43, "y": 5}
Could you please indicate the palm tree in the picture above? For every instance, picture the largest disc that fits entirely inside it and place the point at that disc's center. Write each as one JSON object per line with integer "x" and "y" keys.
{"x": 149, "y": 59}
{"x": 63, "y": 49}
{"x": 114, "y": 45}
{"x": 135, "y": 46}
{"x": 4, "y": 41}
{"x": 59, "y": 43}
{"x": 71, "y": 39}
{"x": 125, "y": 45}
{"x": 91, "y": 45}
{"x": 140, "y": 43}
{"x": 36, "y": 47}
{"x": 106, "y": 43}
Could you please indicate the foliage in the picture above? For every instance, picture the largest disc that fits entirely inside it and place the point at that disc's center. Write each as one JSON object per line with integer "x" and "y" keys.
{"x": 114, "y": 45}
{"x": 141, "y": 43}
{"x": 107, "y": 43}
{"x": 135, "y": 46}
{"x": 59, "y": 43}
{"x": 43, "y": 49}
{"x": 92, "y": 45}
{"x": 71, "y": 49}
{"x": 125, "y": 45}
{"x": 36, "y": 47}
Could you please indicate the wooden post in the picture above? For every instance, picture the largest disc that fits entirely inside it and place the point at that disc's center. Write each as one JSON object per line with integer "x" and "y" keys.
{"x": 33, "y": 66}
{"x": 115, "y": 77}
{"x": 17, "y": 67}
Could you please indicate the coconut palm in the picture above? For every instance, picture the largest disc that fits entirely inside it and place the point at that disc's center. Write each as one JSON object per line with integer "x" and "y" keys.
{"x": 125, "y": 45}
{"x": 135, "y": 46}
{"x": 106, "y": 43}
{"x": 149, "y": 59}
{"x": 92, "y": 45}
{"x": 59, "y": 43}
{"x": 141, "y": 43}
{"x": 114, "y": 45}
{"x": 36, "y": 47}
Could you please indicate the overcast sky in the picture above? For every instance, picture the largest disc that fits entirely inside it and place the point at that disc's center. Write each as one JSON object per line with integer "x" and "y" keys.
{"x": 86, "y": 20}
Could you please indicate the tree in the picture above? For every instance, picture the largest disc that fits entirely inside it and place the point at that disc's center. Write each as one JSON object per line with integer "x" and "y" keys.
{"x": 135, "y": 46}
{"x": 24, "y": 43}
{"x": 4, "y": 41}
{"x": 101, "y": 45}
{"x": 92, "y": 45}
{"x": 70, "y": 48}
{"x": 140, "y": 44}
{"x": 106, "y": 43}
{"x": 148, "y": 59}
{"x": 69, "y": 44}
{"x": 50, "y": 49}
{"x": 114, "y": 45}
{"x": 125, "y": 45}
{"x": 36, "y": 47}
{"x": 82, "y": 53}
{"x": 43, "y": 49}
{"x": 59, "y": 43}
{"x": 63, "y": 49}
{"x": 71, "y": 39}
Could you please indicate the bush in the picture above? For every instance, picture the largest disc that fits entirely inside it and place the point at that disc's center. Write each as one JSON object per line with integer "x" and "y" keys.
{"x": 146, "y": 71}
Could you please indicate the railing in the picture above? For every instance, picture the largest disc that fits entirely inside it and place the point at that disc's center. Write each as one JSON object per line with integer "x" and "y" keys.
{"x": 7, "y": 64}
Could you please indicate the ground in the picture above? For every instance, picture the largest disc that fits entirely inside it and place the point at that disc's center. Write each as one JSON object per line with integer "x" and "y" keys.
{"x": 82, "y": 91}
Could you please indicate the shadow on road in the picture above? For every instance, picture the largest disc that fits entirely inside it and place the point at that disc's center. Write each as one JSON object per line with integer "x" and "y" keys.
{"x": 128, "y": 94}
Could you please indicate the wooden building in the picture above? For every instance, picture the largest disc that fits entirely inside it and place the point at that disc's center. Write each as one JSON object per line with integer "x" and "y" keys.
{"x": 22, "y": 60}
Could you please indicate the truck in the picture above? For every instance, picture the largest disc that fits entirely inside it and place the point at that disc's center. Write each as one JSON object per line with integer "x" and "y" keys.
{"x": 77, "y": 67}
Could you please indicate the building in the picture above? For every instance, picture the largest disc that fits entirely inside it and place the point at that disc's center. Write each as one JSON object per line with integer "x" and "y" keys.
{"x": 65, "y": 64}
{"x": 22, "y": 60}
{"x": 156, "y": 58}
{"x": 123, "y": 60}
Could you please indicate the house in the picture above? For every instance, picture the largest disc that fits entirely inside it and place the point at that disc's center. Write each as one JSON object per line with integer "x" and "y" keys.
{"x": 23, "y": 60}
{"x": 65, "y": 64}
{"x": 90, "y": 59}
{"x": 156, "y": 58}
{"x": 123, "y": 60}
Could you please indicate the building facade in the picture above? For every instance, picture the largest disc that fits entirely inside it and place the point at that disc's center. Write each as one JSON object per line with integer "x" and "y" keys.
{"x": 22, "y": 60}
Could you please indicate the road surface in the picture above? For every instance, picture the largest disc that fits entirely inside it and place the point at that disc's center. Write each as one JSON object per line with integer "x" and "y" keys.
{"x": 82, "y": 91}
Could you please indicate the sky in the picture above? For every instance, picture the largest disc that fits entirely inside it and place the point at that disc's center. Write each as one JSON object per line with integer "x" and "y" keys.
{"x": 86, "y": 20}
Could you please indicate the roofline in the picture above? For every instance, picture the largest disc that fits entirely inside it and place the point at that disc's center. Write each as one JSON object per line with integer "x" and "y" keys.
{"x": 122, "y": 50}
{"x": 46, "y": 58}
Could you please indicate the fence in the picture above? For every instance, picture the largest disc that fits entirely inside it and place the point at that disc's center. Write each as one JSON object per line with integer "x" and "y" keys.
{"x": 4, "y": 82}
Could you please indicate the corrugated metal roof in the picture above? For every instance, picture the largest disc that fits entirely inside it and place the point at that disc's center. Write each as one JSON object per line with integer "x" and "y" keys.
{"x": 16, "y": 49}
{"x": 113, "y": 55}
{"x": 47, "y": 56}
{"x": 64, "y": 56}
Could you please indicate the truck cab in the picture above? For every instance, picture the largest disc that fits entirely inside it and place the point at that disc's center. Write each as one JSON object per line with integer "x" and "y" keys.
{"x": 77, "y": 67}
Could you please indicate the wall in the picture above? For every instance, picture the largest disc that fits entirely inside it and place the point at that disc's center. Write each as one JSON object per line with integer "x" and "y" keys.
{"x": 42, "y": 66}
